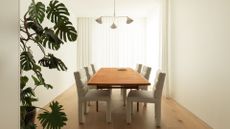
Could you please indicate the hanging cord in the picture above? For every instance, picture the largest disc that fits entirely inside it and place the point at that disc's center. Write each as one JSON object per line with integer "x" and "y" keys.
{"x": 114, "y": 6}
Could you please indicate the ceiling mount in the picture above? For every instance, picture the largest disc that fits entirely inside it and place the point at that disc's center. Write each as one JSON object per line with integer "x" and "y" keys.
{"x": 113, "y": 26}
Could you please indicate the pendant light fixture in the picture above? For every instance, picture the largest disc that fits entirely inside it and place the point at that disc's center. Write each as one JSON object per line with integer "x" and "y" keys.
{"x": 114, "y": 26}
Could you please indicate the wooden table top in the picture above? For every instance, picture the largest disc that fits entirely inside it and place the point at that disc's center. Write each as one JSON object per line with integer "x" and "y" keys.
{"x": 116, "y": 76}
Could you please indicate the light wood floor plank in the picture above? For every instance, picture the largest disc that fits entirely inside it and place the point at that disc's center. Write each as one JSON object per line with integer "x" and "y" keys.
{"x": 173, "y": 115}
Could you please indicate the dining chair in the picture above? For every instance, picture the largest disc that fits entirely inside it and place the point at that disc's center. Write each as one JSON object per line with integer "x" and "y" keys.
{"x": 147, "y": 97}
{"x": 90, "y": 70}
{"x": 85, "y": 95}
{"x": 89, "y": 73}
{"x": 138, "y": 68}
{"x": 93, "y": 68}
{"x": 124, "y": 91}
{"x": 145, "y": 72}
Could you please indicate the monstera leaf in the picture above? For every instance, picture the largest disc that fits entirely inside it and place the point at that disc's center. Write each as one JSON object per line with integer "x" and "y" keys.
{"x": 37, "y": 11}
{"x": 27, "y": 61}
{"x": 36, "y": 81}
{"x": 49, "y": 39}
{"x": 65, "y": 29}
{"x": 57, "y": 11}
{"x": 52, "y": 62}
{"x": 27, "y": 94}
{"x": 40, "y": 81}
{"x": 54, "y": 119}
{"x": 31, "y": 24}
{"x": 23, "y": 81}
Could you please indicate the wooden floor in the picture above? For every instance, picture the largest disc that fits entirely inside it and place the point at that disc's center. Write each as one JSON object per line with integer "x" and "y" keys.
{"x": 173, "y": 115}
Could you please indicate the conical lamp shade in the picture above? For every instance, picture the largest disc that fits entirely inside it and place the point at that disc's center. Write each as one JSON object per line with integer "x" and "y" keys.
{"x": 99, "y": 20}
{"x": 113, "y": 26}
{"x": 129, "y": 20}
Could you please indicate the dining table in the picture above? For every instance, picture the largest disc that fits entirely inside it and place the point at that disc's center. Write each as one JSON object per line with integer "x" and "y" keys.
{"x": 109, "y": 78}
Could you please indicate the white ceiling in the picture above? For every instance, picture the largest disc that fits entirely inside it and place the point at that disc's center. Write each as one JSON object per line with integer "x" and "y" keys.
{"x": 95, "y": 8}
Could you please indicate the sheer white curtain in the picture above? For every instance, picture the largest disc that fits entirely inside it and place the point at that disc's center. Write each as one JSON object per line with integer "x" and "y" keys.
{"x": 165, "y": 45}
{"x": 121, "y": 47}
{"x": 84, "y": 28}
{"x": 153, "y": 41}
{"x": 106, "y": 47}
{"x": 125, "y": 46}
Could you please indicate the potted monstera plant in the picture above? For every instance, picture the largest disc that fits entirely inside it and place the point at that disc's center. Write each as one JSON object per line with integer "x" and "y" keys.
{"x": 45, "y": 27}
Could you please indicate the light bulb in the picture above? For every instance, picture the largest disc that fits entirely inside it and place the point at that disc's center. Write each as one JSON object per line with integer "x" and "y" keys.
{"x": 113, "y": 26}
{"x": 99, "y": 20}
{"x": 129, "y": 20}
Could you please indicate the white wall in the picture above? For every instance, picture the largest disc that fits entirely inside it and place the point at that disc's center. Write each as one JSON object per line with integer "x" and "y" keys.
{"x": 200, "y": 39}
{"x": 9, "y": 70}
{"x": 60, "y": 80}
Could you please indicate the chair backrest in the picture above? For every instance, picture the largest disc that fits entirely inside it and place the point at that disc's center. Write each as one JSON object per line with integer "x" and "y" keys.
{"x": 157, "y": 75}
{"x": 81, "y": 82}
{"x": 93, "y": 68}
{"x": 146, "y": 72}
{"x": 89, "y": 71}
{"x": 159, "y": 85}
{"x": 138, "y": 68}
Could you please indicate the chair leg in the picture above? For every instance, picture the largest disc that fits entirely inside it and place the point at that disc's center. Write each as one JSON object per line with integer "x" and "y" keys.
{"x": 85, "y": 108}
{"x": 124, "y": 95}
{"x": 137, "y": 106}
{"x": 110, "y": 90}
{"x": 128, "y": 112}
{"x": 146, "y": 89}
{"x": 108, "y": 112}
{"x": 158, "y": 113}
{"x": 97, "y": 106}
{"x": 80, "y": 113}
{"x": 131, "y": 108}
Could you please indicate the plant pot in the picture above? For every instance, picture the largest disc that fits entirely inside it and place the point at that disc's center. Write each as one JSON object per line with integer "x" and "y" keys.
{"x": 30, "y": 115}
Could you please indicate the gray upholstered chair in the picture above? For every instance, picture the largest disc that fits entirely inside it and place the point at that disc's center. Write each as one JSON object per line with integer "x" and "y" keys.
{"x": 138, "y": 68}
{"x": 93, "y": 68}
{"x": 124, "y": 91}
{"x": 147, "y": 97}
{"x": 85, "y": 95}
{"x": 90, "y": 71}
{"x": 145, "y": 72}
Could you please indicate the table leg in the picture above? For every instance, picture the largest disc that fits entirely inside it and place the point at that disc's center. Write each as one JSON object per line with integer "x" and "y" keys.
{"x": 124, "y": 95}
{"x": 137, "y": 102}
{"x": 97, "y": 104}
{"x": 137, "y": 106}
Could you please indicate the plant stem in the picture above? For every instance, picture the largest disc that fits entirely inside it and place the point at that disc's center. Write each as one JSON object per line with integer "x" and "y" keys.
{"x": 25, "y": 25}
{"x": 41, "y": 108}
{"x": 39, "y": 45}
{"x": 22, "y": 42}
